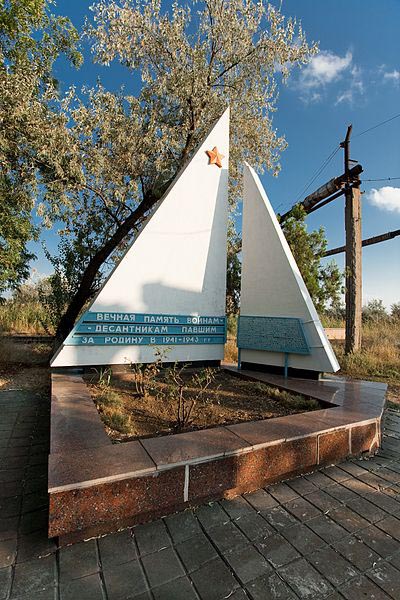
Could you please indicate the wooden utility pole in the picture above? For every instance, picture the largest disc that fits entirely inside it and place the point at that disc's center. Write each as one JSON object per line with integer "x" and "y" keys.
{"x": 377, "y": 239}
{"x": 353, "y": 255}
{"x": 314, "y": 201}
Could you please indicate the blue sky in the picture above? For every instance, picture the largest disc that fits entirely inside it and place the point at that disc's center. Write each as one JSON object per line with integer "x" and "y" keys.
{"x": 355, "y": 79}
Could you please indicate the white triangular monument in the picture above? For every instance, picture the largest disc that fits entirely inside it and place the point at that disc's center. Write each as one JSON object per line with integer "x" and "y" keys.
{"x": 279, "y": 326}
{"x": 169, "y": 288}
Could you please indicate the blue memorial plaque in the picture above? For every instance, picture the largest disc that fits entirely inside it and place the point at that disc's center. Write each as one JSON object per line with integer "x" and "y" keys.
{"x": 150, "y": 319}
{"x": 140, "y": 329}
{"x": 274, "y": 334}
{"x": 143, "y": 340}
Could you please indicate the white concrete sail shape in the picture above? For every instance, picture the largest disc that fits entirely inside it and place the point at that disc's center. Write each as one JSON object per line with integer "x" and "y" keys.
{"x": 175, "y": 266}
{"x": 272, "y": 284}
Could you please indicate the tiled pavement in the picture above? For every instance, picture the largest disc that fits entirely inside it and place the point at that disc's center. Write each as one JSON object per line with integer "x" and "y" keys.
{"x": 332, "y": 534}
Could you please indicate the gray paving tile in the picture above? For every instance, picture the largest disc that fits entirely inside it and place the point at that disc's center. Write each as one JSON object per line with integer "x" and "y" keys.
{"x": 116, "y": 549}
{"x": 386, "y": 577}
{"x": 8, "y": 552}
{"x": 34, "y": 545}
{"x": 348, "y": 519}
{"x": 305, "y": 580}
{"x": 379, "y": 541}
{"x": 282, "y": 492}
{"x": 319, "y": 479}
{"x": 247, "y": 563}
{"x": 214, "y": 581}
{"x": 366, "y": 509}
{"x": 151, "y": 537}
{"x": 162, "y": 567}
{"x": 261, "y": 500}
{"x": 323, "y": 501}
{"x": 280, "y": 518}
{"x": 254, "y": 526}
{"x": 240, "y": 594}
{"x": 124, "y": 581}
{"x": 302, "y": 486}
{"x": 8, "y": 528}
{"x": 302, "y": 509}
{"x": 33, "y": 575}
{"x": 332, "y": 566}
{"x": 5, "y": 582}
{"x": 49, "y": 593}
{"x": 362, "y": 587}
{"x": 182, "y": 526}
{"x": 277, "y": 550}
{"x": 327, "y": 529}
{"x": 195, "y": 552}
{"x": 78, "y": 560}
{"x": 87, "y": 588}
{"x": 358, "y": 553}
{"x": 237, "y": 508}
{"x": 227, "y": 536}
{"x": 303, "y": 538}
{"x": 390, "y": 525}
{"x": 178, "y": 589}
{"x": 270, "y": 587}
{"x": 211, "y": 515}
{"x": 352, "y": 468}
{"x": 34, "y": 521}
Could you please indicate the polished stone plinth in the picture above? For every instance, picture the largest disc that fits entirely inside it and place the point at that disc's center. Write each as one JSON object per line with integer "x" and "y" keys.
{"x": 96, "y": 486}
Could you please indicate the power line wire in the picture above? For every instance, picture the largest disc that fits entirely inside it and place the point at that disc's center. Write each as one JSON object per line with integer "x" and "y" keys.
{"x": 377, "y": 125}
{"x": 319, "y": 171}
{"x": 330, "y": 157}
{"x": 314, "y": 177}
{"x": 382, "y": 179}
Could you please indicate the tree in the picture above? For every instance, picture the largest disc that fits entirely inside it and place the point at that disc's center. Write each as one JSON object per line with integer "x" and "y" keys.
{"x": 122, "y": 152}
{"x": 30, "y": 41}
{"x": 324, "y": 283}
{"x": 395, "y": 311}
{"x": 234, "y": 269}
{"x": 374, "y": 311}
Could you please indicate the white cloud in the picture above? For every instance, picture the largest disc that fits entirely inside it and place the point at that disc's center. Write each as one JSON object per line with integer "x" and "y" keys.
{"x": 323, "y": 72}
{"x": 355, "y": 87}
{"x": 385, "y": 198}
{"x": 324, "y": 68}
{"x": 393, "y": 76}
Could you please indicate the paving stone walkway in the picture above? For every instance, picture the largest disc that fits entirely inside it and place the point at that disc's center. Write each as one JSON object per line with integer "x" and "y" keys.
{"x": 332, "y": 534}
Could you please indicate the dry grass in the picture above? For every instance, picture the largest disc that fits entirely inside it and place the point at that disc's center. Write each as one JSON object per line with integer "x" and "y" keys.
{"x": 231, "y": 351}
{"x": 30, "y": 318}
{"x": 379, "y": 358}
{"x": 20, "y": 353}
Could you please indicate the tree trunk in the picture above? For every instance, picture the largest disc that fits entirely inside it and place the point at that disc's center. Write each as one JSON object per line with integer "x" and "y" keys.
{"x": 85, "y": 290}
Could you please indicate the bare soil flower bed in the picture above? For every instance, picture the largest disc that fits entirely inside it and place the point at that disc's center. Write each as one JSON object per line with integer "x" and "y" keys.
{"x": 174, "y": 400}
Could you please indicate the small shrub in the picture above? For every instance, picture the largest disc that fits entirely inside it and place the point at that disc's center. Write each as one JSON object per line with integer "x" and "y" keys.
{"x": 108, "y": 398}
{"x": 145, "y": 375}
{"x": 185, "y": 401}
{"x": 104, "y": 377}
{"x": 118, "y": 421}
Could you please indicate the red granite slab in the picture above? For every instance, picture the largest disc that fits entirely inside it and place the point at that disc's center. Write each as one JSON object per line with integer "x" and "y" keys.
{"x": 97, "y": 486}
{"x": 333, "y": 446}
{"x": 324, "y": 392}
{"x": 365, "y": 438}
{"x": 75, "y": 423}
{"x": 111, "y": 504}
{"x": 74, "y": 470}
{"x": 196, "y": 446}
